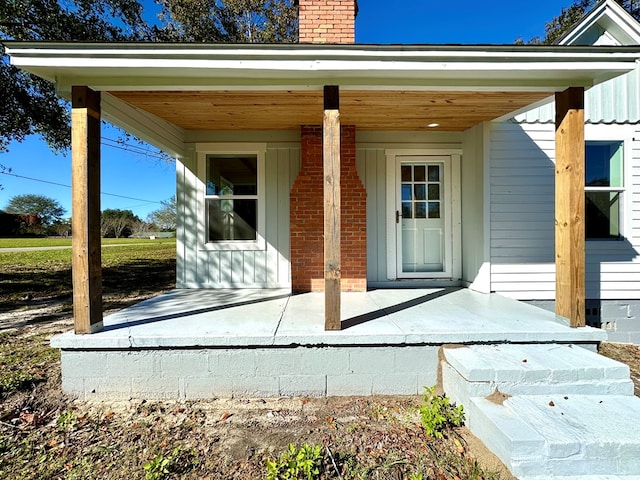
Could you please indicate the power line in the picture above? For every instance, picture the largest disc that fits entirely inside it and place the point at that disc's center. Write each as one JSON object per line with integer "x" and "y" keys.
{"x": 69, "y": 186}
{"x": 136, "y": 150}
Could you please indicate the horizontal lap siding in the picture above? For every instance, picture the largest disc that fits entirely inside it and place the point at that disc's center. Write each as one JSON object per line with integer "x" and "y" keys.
{"x": 269, "y": 268}
{"x": 522, "y": 210}
{"x": 522, "y": 221}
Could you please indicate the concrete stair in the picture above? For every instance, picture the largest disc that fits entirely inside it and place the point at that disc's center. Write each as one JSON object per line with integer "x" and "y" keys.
{"x": 547, "y": 410}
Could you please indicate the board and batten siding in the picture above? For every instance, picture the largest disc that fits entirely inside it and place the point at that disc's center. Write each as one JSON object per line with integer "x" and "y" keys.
{"x": 522, "y": 216}
{"x": 198, "y": 267}
{"x": 372, "y": 170}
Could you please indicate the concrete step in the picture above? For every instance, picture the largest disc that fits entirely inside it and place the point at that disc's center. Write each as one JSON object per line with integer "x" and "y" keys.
{"x": 548, "y": 411}
{"x": 551, "y": 436}
{"x": 478, "y": 370}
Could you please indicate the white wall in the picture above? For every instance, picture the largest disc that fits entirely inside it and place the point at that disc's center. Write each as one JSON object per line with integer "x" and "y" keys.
{"x": 198, "y": 267}
{"x": 522, "y": 216}
{"x": 475, "y": 209}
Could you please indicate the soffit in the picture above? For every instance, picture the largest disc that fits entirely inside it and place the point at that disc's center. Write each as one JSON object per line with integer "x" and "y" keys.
{"x": 367, "y": 109}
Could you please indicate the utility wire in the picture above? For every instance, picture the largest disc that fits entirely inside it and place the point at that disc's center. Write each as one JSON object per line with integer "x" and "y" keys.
{"x": 69, "y": 186}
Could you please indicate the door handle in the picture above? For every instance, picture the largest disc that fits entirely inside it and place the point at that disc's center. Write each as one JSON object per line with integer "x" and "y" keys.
{"x": 398, "y": 216}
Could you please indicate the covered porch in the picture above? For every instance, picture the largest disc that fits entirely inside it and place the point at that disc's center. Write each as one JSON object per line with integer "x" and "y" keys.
{"x": 207, "y": 343}
{"x": 226, "y": 92}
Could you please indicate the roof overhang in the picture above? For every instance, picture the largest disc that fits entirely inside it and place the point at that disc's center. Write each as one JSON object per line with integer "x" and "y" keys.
{"x": 180, "y": 87}
{"x": 196, "y": 67}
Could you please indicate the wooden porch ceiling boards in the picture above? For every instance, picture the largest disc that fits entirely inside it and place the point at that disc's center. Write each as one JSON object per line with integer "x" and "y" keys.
{"x": 368, "y": 110}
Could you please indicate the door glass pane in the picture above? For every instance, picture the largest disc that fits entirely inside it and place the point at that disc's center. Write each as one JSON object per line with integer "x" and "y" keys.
{"x": 420, "y": 192}
{"x": 434, "y": 192}
{"x": 406, "y": 173}
{"x": 421, "y": 209}
{"x": 406, "y": 192}
{"x": 434, "y": 209}
{"x": 434, "y": 173}
{"x": 407, "y": 210}
{"x": 419, "y": 173}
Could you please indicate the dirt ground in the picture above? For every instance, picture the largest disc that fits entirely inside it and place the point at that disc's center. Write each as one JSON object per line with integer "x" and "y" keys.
{"x": 46, "y": 435}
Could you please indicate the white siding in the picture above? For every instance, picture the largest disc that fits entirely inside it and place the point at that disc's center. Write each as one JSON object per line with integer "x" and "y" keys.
{"x": 522, "y": 218}
{"x": 267, "y": 268}
{"x": 475, "y": 258}
{"x": 371, "y": 166}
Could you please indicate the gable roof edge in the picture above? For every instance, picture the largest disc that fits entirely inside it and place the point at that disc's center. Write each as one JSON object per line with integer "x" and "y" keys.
{"x": 604, "y": 8}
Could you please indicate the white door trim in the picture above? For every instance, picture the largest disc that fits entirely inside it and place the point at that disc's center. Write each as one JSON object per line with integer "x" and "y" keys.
{"x": 453, "y": 254}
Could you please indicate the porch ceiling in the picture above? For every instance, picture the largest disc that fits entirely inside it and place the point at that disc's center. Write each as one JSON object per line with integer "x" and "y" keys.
{"x": 367, "y": 109}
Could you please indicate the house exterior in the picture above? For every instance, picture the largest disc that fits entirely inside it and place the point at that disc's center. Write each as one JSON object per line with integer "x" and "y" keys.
{"x": 329, "y": 166}
{"x": 522, "y": 264}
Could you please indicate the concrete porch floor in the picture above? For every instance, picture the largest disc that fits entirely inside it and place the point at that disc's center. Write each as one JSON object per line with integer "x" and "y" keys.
{"x": 227, "y": 318}
{"x": 211, "y": 343}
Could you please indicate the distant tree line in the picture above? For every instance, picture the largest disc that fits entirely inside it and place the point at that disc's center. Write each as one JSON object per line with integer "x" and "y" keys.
{"x": 38, "y": 215}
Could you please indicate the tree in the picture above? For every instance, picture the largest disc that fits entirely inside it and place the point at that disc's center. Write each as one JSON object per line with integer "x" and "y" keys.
{"x": 571, "y": 15}
{"x": 30, "y": 104}
{"x": 117, "y": 223}
{"x": 47, "y": 209}
{"x": 165, "y": 218}
{"x": 229, "y": 21}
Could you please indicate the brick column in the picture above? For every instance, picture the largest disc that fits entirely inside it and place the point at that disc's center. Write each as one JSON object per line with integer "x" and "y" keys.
{"x": 307, "y": 216}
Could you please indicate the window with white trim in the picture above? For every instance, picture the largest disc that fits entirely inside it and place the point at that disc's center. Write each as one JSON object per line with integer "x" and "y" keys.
{"x": 232, "y": 198}
{"x": 604, "y": 189}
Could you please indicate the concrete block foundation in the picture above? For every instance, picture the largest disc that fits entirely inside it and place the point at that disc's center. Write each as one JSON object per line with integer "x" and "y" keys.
{"x": 249, "y": 372}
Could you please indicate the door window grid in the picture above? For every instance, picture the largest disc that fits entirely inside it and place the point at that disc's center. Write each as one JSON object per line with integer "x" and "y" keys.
{"x": 421, "y": 191}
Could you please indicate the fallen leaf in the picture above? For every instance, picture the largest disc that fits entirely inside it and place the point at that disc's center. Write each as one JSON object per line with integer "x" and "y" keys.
{"x": 224, "y": 416}
{"x": 27, "y": 418}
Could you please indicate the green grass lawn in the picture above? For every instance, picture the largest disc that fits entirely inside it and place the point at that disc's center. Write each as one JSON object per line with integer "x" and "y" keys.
{"x": 137, "y": 268}
{"x": 63, "y": 242}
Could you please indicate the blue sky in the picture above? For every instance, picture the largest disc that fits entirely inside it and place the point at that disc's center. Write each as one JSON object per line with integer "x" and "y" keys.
{"x": 147, "y": 181}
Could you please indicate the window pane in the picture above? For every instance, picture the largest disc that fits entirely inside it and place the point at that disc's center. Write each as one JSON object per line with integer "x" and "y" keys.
{"x": 232, "y": 220}
{"x": 419, "y": 173}
{"x": 434, "y": 209}
{"x": 434, "y": 173}
{"x": 420, "y": 192}
{"x": 407, "y": 210}
{"x": 232, "y": 175}
{"x": 406, "y": 192}
{"x": 603, "y": 164}
{"x": 421, "y": 209}
{"x": 603, "y": 214}
{"x": 406, "y": 173}
{"x": 434, "y": 192}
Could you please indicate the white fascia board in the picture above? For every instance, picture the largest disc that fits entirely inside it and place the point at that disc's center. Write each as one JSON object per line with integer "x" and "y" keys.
{"x": 142, "y": 67}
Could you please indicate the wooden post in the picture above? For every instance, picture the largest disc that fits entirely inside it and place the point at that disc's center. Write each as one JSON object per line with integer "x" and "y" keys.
{"x": 331, "y": 168}
{"x": 569, "y": 208}
{"x": 85, "y": 180}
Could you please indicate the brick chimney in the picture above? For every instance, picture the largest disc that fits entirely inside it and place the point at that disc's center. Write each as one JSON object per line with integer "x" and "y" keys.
{"x": 331, "y": 22}
{"x": 327, "y": 21}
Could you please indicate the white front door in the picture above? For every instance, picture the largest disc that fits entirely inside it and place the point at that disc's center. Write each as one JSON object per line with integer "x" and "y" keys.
{"x": 423, "y": 216}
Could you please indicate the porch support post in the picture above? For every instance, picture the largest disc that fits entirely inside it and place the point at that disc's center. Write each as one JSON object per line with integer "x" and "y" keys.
{"x": 569, "y": 206}
{"x": 85, "y": 179}
{"x": 331, "y": 170}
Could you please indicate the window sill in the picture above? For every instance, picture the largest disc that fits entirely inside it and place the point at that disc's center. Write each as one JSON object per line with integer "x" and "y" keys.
{"x": 233, "y": 246}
